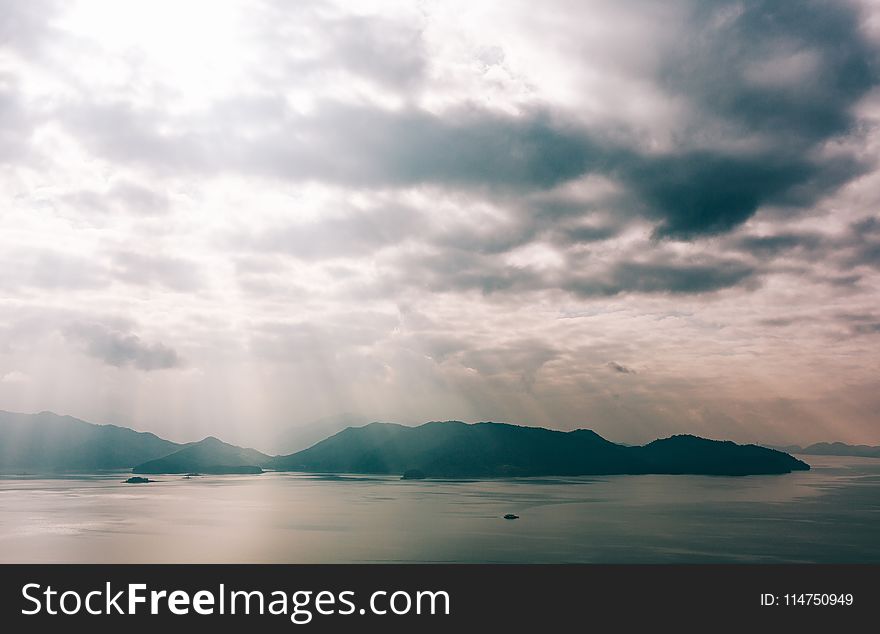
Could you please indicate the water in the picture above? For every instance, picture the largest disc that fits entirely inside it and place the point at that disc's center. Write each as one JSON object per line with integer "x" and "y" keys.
{"x": 829, "y": 514}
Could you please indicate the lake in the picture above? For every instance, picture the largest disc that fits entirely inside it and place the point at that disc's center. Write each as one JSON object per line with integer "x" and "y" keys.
{"x": 829, "y": 514}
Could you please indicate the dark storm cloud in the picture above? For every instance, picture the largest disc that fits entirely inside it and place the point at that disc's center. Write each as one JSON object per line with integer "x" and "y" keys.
{"x": 858, "y": 245}
{"x": 788, "y": 70}
{"x": 620, "y": 369}
{"x": 353, "y": 145}
{"x": 842, "y": 281}
{"x": 710, "y": 192}
{"x": 662, "y": 277}
{"x": 471, "y": 148}
{"x": 778, "y": 243}
{"x": 863, "y": 243}
{"x": 867, "y": 226}
{"x": 452, "y": 271}
{"x": 786, "y": 75}
{"x": 867, "y": 254}
{"x": 872, "y": 328}
{"x": 782, "y": 322}
{"x": 120, "y": 349}
{"x": 587, "y": 233}
{"x": 686, "y": 194}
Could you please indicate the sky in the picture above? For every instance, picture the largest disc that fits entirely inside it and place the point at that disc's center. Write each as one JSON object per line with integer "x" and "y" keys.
{"x": 642, "y": 218}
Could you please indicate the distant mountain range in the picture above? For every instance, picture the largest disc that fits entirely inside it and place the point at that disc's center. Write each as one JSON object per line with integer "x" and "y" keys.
{"x": 458, "y": 450}
{"x": 833, "y": 449}
{"x": 46, "y": 443}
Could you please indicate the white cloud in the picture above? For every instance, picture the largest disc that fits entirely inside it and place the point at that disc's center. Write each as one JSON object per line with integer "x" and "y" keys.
{"x": 14, "y": 376}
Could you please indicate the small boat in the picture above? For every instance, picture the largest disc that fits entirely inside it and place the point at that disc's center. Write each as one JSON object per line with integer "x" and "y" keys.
{"x": 511, "y": 516}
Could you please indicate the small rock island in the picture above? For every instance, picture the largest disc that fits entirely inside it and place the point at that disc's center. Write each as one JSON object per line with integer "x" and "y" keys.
{"x": 137, "y": 480}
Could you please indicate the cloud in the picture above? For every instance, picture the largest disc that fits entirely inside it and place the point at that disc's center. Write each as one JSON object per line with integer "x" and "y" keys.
{"x": 136, "y": 198}
{"x": 662, "y": 277}
{"x": 453, "y": 270}
{"x": 520, "y": 358}
{"x": 323, "y": 343}
{"x": 765, "y": 246}
{"x": 587, "y": 233}
{"x": 711, "y": 192}
{"x": 752, "y": 138}
{"x": 445, "y": 210}
{"x": 340, "y": 143}
{"x": 863, "y": 243}
{"x": 620, "y": 369}
{"x": 16, "y": 123}
{"x": 349, "y": 235}
{"x": 45, "y": 268}
{"x": 687, "y": 194}
{"x": 121, "y": 349}
{"x": 177, "y": 274}
{"x": 871, "y": 328}
{"x": 792, "y": 73}
{"x": 14, "y": 377}
{"x": 387, "y": 51}
{"x": 26, "y": 26}
{"x": 316, "y": 39}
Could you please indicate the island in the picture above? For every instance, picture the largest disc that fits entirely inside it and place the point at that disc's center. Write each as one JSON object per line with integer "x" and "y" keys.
{"x": 49, "y": 443}
{"x": 209, "y": 456}
{"x": 453, "y": 449}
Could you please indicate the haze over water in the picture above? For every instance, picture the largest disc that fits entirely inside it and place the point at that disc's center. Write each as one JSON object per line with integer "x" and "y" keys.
{"x": 829, "y": 514}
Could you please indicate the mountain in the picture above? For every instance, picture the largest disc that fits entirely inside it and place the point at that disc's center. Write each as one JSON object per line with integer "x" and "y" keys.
{"x": 299, "y": 437}
{"x": 692, "y": 454}
{"x": 47, "y": 442}
{"x": 207, "y": 456}
{"x": 454, "y": 449}
{"x": 835, "y": 449}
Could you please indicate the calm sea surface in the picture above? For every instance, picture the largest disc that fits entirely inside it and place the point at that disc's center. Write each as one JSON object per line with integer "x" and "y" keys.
{"x": 829, "y": 514}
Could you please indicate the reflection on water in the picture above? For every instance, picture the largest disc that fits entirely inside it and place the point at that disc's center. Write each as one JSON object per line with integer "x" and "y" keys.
{"x": 829, "y": 514}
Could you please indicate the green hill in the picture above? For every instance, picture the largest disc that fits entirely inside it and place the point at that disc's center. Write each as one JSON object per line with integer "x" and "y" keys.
{"x": 207, "y": 456}
{"x": 453, "y": 449}
{"x": 47, "y": 443}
